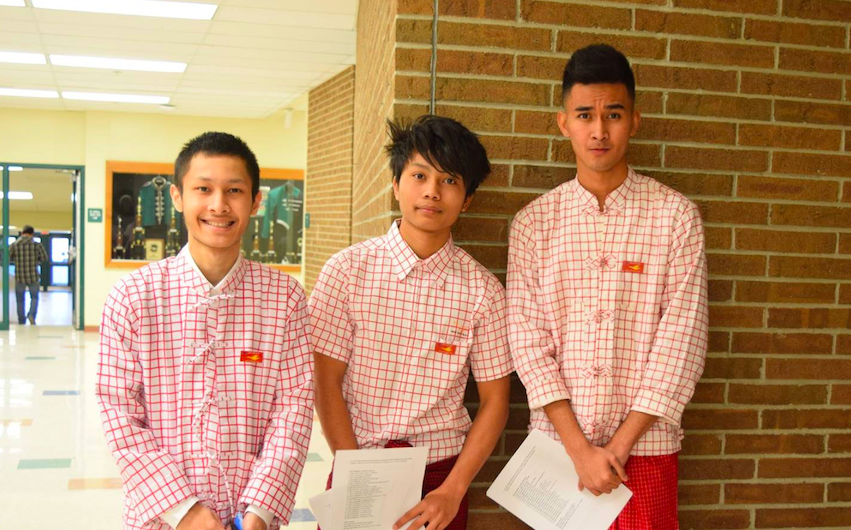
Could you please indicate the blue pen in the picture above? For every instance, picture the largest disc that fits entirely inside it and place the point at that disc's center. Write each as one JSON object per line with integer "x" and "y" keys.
{"x": 237, "y": 521}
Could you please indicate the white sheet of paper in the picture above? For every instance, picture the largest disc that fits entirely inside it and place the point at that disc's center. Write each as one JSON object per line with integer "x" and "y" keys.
{"x": 539, "y": 486}
{"x": 320, "y": 505}
{"x": 372, "y": 488}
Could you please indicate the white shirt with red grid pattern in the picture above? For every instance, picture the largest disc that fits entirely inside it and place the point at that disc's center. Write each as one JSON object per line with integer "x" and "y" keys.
{"x": 410, "y": 331}
{"x": 608, "y": 309}
{"x": 206, "y": 393}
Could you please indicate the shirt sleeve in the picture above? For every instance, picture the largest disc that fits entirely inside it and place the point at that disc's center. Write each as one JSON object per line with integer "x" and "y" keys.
{"x": 677, "y": 358}
{"x": 173, "y": 516}
{"x": 277, "y": 468}
{"x": 489, "y": 354}
{"x": 153, "y": 482}
{"x": 266, "y": 515}
{"x": 333, "y": 328}
{"x": 531, "y": 339}
{"x": 42, "y": 253}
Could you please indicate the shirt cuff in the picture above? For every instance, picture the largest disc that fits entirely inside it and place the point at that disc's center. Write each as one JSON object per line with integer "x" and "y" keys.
{"x": 656, "y": 404}
{"x": 542, "y": 394}
{"x": 173, "y": 516}
{"x": 262, "y": 513}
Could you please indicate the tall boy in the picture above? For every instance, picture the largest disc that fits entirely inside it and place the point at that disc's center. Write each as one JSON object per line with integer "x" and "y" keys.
{"x": 205, "y": 376}
{"x": 607, "y": 301}
{"x": 399, "y": 321}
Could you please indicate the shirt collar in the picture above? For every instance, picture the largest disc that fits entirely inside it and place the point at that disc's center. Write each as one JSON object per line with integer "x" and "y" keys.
{"x": 615, "y": 200}
{"x": 199, "y": 282}
{"x": 405, "y": 260}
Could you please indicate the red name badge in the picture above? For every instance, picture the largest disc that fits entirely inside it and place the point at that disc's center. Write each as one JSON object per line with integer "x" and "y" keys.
{"x": 442, "y": 347}
{"x": 251, "y": 357}
{"x": 633, "y": 266}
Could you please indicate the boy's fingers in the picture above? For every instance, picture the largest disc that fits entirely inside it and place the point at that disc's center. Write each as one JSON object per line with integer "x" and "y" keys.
{"x": 410, "y": 514}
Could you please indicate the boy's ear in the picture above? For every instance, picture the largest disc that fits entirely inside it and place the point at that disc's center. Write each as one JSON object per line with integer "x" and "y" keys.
{"x": 176, "y": 198}
{"x": 257, "y": 200}
{"x": 467, "y": 202}
{"x": 396, "y": 188}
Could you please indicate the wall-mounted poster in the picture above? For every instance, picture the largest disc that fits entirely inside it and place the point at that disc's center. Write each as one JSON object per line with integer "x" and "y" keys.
{"x": 142, "y": 224}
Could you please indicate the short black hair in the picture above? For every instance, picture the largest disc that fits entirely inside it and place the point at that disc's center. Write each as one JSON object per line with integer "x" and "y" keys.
{"x": 221, "y": 144}
{"x": 445, "y": 143}
{"x": 28, "y": 230}
{"x": 597, "y": 63}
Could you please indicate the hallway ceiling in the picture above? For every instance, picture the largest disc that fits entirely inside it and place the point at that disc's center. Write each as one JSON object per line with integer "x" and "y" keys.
{"x": 253, "y": 58}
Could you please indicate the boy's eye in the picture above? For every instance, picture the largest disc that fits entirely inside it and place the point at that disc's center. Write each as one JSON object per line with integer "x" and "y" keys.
{"x": 614, "y": 115}
{"x": 203, "y": 188}
{"x": 584, "y": 116}
{"x": 419, "y": 176}
{"x": 236, "y": 190}
{"x": 450, "y": 180}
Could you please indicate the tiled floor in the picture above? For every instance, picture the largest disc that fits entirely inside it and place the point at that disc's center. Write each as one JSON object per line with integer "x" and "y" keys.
{"x": 54, "y": 307}
{"x": 53, "y": 459}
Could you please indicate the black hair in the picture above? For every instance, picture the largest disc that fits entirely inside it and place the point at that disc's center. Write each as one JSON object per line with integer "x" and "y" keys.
{"x": 28, "y": 230}
{"x": 221, "y": 144}
{"x": 597, "y": 63}
{"x": 445, "y": 143}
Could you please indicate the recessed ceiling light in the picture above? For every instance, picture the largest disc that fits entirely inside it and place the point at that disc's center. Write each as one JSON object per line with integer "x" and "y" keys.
{"x": 19, "y": 195}
{"x": 13, "y": 3}
{"x": 116, "y": 98}
{"x": 28, "y": 93}
{"x": 22, "y": 58}
{"x": 13, "y": 168}
{"x": 117, "y": 64}
{"x": 142, "y": 8}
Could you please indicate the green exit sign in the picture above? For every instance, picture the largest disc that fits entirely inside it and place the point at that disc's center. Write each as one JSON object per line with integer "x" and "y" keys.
{"x": 95, "y": 215}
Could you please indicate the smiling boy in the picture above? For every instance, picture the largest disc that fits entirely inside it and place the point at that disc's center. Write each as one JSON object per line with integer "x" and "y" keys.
{"x": 205, "y": 374}
{"x": 400, "y": 321}
{"x": 607, "y": 301}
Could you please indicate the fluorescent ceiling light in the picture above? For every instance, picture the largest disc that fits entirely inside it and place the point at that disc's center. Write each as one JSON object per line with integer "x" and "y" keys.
{"x": 13, "y": 3}
{"x": 13, "y": 168}
{"x": 142, "y": 8}
{"x": 117, "y": 64}
{"x": 116, "y": 98}
{"x": 28, "y": 93}
{"x": 19, "y": 195}
{"x": 22, "y": 58}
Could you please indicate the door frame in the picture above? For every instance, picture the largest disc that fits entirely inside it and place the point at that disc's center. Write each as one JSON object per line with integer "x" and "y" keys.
{"x": 80, "y": 231}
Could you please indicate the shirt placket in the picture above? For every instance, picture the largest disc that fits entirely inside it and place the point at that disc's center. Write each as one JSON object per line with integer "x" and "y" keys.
{"x": 599, "y": 319}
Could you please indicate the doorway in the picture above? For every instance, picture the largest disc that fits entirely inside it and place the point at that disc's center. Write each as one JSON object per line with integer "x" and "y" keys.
{"x": 49, "y": 199}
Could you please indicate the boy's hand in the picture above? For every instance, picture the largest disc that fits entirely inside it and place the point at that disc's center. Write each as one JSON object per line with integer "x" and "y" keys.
{"x": 599, "y": 470}
{"x": 199, "y": 517}
{"x": 438, "y": 509}
{"x": 252, "y": 522}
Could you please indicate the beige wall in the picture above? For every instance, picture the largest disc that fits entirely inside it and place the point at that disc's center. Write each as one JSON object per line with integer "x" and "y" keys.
{"x": 41, "y": 220}
{"x": 92, "y": 138}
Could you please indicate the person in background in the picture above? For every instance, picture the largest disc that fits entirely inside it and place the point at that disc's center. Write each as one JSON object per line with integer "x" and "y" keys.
{"x": 26, "y": 253}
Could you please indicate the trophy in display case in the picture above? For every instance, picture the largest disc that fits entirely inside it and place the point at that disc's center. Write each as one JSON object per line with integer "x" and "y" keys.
{"x": 137, "y": 247}
{"x": 255, "y": 249}
{"x": 271, "y": 255}
{"x": 119, "y": 252}
{"x": 172, "y": 238}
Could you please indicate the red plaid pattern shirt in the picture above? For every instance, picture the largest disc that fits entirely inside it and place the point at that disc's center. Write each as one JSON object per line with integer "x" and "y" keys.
{"x": 185, "y": 410}
{"x": 608, "y": 309}
{"x": 410, "y": 331}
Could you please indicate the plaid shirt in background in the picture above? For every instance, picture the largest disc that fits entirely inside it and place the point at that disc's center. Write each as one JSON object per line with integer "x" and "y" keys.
{"x": 26, "y": 253}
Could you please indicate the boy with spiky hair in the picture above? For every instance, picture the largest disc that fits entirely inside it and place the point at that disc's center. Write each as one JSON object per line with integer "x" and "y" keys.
{"x": 607, "y": 301}
{"x": 205, "y": 378}
{"x": 400, "y": 321}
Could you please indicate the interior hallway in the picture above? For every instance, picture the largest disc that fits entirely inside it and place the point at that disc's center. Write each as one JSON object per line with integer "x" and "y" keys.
{"x": 57, "y": 472}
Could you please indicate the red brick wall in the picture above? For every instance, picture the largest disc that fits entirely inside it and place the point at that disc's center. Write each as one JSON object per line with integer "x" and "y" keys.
{"x": 747, "y": 110}
{"x": 328, "y": 186}
{"x": 372, "y": 198}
